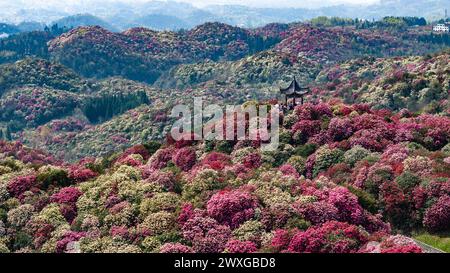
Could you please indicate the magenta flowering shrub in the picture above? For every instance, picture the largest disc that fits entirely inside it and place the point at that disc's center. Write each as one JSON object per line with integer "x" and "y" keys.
{"x": 69, "y": 211}
{"x": 232, "y": 207}
{"x": 252, "y": 161}
{"x": 289, "y": 170}
{"x": 160, "y": 158}
{"x": 21, "y": 184}
{"x": 340, "y": 128}
{"x": 166, "y": 180}
{"x": 216, "y": 161}
{"x": 175, "y": 248}
{"x": 392, "y": 244}
{"x": 280, "y": 240}
{"x": 37, "y": 105}
{"x": 347, "y": 205}
{"x": 61, "y": 245}
{"x": 437, "y": 217}
{"x": 135, "y": 150}
{"x": 67, "y": 198}
{"x": 236, "y": 246}
{"x": 304, "y": 129}
{"x": 133, "y": 160}
{"x": 80, "y": 174}
{"x": 184, "y": 158}
{"x": 330, "y": 237}
{"x": 68, "y": 195}
{"x": 317, "y": 212}
{"x": 20, "y": 152}
{"x": 402, "y": 249}
{"x": 206, "y": 234}
{"x": 370, "y": 139}
{"x": 187, "y": 212}
{"x": 41, "y": 231}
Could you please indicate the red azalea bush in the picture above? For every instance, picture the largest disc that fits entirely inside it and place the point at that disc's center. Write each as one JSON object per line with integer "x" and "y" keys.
{"x": 68, "y": 195}
{"x": 280, "y": 240}
{"x": 216, "y": 161}
{"x": 69, "y": 211}
{"x": 402, "y": 249}
{"x": 80, "y": 174}
{"x": 21, "y": 184}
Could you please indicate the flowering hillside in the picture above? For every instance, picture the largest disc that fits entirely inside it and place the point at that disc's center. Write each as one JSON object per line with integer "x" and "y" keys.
{"x": 144, "y": 55}
{"x": 346, "y": 179}
{"x": 42, "y": 73}
{"x": 261, "y": 69}
{"x": 154, "y": 51}
{"x": 328, "y": 45}
{"x": 410, "y": 82}
{"x": 87, "y": 163}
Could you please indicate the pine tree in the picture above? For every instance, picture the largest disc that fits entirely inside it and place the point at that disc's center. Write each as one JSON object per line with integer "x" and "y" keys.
{"x": 8, "y": 133}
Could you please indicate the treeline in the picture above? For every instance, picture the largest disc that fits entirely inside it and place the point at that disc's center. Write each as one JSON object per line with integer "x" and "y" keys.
{"x": 99, "y": 109}
{"x": 25, "y": 44}
{"x": 435, "y": 38}
{"x": 386, "y": 22}
{"x": 8, "y": 29}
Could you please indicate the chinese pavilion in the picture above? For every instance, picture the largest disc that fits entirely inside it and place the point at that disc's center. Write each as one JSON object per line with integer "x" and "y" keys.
{"x": 294, "y": 91}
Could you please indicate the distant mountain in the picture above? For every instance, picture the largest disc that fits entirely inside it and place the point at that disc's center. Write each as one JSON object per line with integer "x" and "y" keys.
{"x": 8, "y": 29}
{"x": 174, "y": 15}
{"x": 160, "y": 22}
{"x": 82, "y": 20}
{"x": 161, "y": 15}
{"x": 30, "y": 26}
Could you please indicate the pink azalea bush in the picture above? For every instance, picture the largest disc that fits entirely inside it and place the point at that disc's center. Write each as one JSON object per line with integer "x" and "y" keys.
{"x": 232, "y": 207}
{"x": 330, "y": 237}
{"x": 437, "y": 217}
{"x": 236, "y": 246}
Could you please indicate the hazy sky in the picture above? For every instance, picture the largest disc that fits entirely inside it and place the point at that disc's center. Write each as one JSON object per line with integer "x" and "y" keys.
{"x": 279, "y": 3}
{"x": 200, "y": 3}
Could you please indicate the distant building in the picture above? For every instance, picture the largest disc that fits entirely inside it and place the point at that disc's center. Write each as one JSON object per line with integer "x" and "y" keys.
{"x": 441, "y": 28}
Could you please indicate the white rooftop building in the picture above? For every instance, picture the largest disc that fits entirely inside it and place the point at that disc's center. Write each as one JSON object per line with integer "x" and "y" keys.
{"x": 441, "y": 28}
